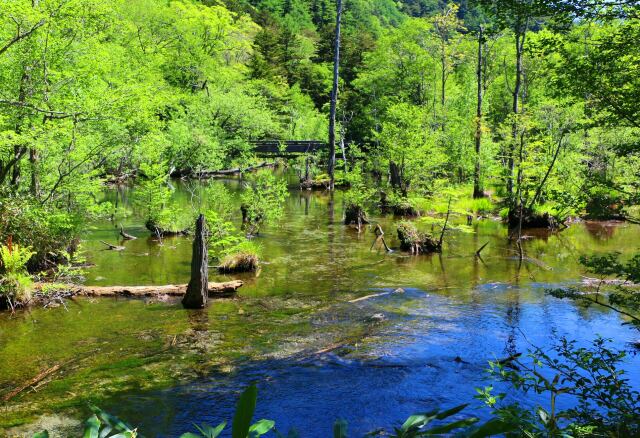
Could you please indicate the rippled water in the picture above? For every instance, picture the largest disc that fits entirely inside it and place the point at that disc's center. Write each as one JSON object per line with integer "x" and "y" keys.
{"x": 161, "y": 367}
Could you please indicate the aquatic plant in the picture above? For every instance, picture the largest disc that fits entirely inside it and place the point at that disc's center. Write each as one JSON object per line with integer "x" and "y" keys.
{"x": 415, "y": 241}
{"x": 102, "y": 424}
{"x": 243, "y": 257}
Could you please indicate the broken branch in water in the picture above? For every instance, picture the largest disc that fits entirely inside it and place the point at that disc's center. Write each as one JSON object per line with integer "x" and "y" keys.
{"x": 380, "y": 237}
{"x": 31, "y": 382}
{"x": 112, "y": 247}
{"x": 480, "y": 249}
{"x": 125, "y": 235}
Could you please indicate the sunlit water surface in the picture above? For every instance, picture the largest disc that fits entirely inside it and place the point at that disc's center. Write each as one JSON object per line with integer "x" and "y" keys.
{"x": 315, "y": 355}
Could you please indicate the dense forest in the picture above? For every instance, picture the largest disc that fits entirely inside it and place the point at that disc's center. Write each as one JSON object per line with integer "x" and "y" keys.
{"x": 526, "y": 110}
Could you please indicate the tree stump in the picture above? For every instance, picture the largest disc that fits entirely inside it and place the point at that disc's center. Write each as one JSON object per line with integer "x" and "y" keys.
{"x": 415, "y": 241}
{"x": 197, "y": 290}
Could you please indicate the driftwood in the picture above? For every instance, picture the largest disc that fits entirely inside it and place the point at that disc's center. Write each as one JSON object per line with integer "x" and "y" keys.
{"x": 126, "y": 236}
{"x": 112, "y": 247}
{"x": 225, "y": 289}
{"x": 41, "y": 376}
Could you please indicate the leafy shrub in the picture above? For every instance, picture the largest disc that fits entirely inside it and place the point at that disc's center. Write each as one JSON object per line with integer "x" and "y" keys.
{"x": 604, "y": 203}
{"x": 153, "y": 195}
{"x": 262, "y": 200}
{"x": 359, "y": 193}
{"x": 51, "y": 232}
{"x": 15, "y": 283}
{"x": 606, "y": 403}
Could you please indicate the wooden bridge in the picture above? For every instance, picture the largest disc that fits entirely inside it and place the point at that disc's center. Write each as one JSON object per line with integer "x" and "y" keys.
{"x": 277, "y": 148}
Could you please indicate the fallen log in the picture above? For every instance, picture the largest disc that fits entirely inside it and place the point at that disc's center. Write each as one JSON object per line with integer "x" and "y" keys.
{"x": 224, "y": 289}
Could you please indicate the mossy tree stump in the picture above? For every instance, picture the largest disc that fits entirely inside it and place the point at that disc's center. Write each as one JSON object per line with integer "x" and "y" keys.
{"x": 417, "y": 242}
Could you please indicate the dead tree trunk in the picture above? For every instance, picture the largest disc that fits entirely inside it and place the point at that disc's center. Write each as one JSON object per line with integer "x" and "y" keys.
{"x": 334, "y": 98}
{"x": 521, "y": 34}
{"x": 197, "y": 290}
{"x": 477, "y": 189}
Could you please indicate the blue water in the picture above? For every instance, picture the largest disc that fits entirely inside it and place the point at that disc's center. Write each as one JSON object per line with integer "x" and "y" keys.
{"x": 407, "y": 365}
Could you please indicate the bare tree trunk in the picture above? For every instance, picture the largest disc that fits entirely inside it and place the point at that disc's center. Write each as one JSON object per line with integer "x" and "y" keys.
{"x": 477, "y": 189}
{"x": 520, "y": 38}
{"x": 334, "y": 98}
{"x": 443, "y": 82}
{"x": 197, "y": 290}
{"x": 18, "y": 153}
{"x": 35, "y": 181}
{"x": 396, "y": 177}
{"x": 19, "y": 150}
{"x": 307, "y": 172}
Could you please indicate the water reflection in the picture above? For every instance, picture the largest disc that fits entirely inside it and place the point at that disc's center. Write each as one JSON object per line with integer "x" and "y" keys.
{"x": 396, "y": 351}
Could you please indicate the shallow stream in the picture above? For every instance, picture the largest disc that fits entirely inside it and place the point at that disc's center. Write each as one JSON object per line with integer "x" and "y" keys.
{"x": 421, "y": 341}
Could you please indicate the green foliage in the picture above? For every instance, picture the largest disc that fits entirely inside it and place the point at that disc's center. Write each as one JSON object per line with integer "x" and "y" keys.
{"x": 244, "y": 256}
{"x": 15, "y": 282}
{"x": 360, "y": 192}
{"x": 604, "y": 203}
{"x": 153, "y": 194}
{"x": 607, "y": 404}
{"x": 102, "y": 424}
{"x": 49, "y": 230}
{"x": 622, "y": 296}
{"x": 262, "y": 200}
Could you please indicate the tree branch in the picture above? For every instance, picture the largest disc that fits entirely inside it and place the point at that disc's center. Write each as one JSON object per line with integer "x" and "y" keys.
{"x": 21, "y": 36}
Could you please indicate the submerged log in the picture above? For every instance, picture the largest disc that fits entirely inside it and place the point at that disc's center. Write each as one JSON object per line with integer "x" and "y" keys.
{"x": 197, "y": 290}
{"x": 112, "y": 247}
{"x": 224, "y": 289}
{"x": 37, "y": 379}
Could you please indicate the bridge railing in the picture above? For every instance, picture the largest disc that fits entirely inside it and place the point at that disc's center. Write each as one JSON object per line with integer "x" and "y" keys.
{"x": 289, "y": 147}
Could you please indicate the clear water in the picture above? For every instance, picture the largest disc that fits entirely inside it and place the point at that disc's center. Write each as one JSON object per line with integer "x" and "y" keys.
{"x": 162, "y": 367}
